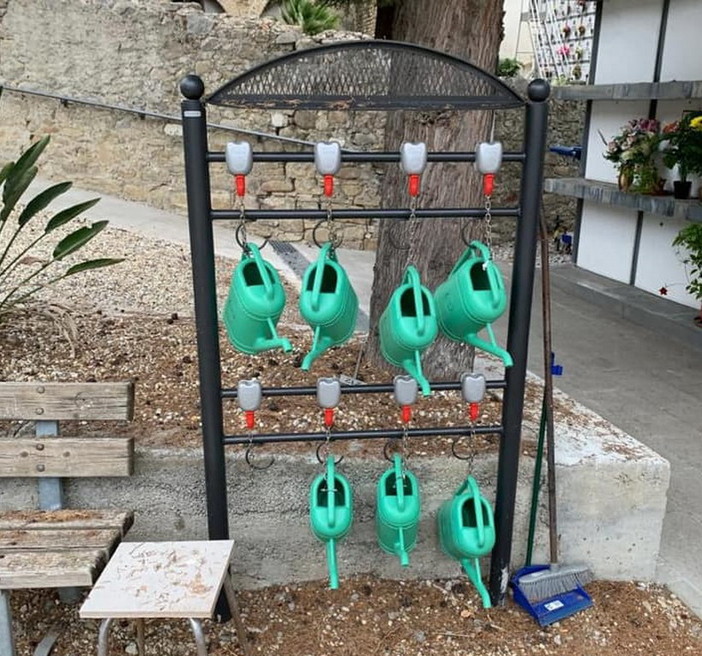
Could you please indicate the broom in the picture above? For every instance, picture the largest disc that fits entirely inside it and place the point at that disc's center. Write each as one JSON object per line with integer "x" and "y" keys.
{"x": 557, "y": 578}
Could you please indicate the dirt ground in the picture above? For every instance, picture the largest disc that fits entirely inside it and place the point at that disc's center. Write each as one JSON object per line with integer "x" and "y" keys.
{"x": 368, "y": 617}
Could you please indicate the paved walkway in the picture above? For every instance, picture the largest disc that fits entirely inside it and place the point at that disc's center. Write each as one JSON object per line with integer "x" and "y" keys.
{"x": 627, "y": 355}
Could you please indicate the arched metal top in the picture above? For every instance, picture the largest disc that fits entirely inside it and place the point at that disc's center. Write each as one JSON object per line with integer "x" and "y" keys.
{"x": 367, "y": 75}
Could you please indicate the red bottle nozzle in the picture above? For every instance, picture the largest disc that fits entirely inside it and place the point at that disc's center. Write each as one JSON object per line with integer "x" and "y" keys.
{"x": 328, "y": 417}
{"x": 414, "y": 182}
{"x": 474, "y": 411}
{"x": 240, "y": 185}
{"x": 250, "y": 419}
{"x": 488, "y": 184}
{"x": 328, "y": 185}
{"x": 406, "y": 414}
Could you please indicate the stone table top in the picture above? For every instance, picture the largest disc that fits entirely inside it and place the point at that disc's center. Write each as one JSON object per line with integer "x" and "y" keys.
{"x": 160, "y": 580}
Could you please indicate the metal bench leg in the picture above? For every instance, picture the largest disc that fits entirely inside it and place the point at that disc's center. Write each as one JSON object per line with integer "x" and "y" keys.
{"x": 140, "y": 636}
{"x": 236, "y": 616}
{"x": 7, "y": 644}
{"x": 196, "y": 626}
{"x": 103, "y": 635}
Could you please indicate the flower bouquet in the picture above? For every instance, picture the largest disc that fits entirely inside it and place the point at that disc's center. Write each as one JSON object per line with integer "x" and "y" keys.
{"x": 683, "y": 148}
{"x": 634, "y": 150}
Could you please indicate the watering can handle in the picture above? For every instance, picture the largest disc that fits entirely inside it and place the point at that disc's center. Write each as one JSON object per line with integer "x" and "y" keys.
{"x": 331, "y": 481}
{"x": 261, "y": 264}
{"x": 399, "y": 482}
{"x": 492, "y": 272}
{"x": 412, "y": 278}
{"x": 471, "y": 483}
{"x": 319, "y": 275}
{"x": 482, "y": 249}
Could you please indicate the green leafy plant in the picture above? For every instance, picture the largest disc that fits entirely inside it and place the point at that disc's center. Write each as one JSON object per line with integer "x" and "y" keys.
{"x": 684, "y": 144}
{"x": 19, "y": 280}
{"x": 311, "y": 16}
{"x": 690, "y": 237}
{"x": 508, "y": 67}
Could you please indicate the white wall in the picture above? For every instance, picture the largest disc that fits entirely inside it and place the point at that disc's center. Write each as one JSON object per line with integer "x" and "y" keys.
{"x": 606, "y": 243}
{"x": 659, "y": 263}
{"x": 628, "y": 38}
{"x": 682, "y": 58}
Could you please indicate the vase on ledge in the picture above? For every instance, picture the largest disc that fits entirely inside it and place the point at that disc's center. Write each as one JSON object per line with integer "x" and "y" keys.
{"x": 681, "y": 189}
{"x": 625, "y": 178}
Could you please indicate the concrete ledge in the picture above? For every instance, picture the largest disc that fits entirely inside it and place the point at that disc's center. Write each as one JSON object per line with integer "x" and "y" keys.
{"x": 660, "y": 315}
{"x": 612, "y": 499}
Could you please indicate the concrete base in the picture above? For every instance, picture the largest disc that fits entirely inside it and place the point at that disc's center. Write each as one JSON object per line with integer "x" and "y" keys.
{"x": 611, "y": 504}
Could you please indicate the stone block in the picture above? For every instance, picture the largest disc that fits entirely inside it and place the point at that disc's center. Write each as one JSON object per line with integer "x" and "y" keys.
{"x": 277, "y": 185}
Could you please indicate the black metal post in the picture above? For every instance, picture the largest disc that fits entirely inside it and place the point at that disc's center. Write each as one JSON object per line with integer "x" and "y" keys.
{"x": 518, "y": 340}
{"x": 197, "y": 183}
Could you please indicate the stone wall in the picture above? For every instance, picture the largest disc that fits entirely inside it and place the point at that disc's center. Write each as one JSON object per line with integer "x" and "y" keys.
{"x": 132, "y": 53}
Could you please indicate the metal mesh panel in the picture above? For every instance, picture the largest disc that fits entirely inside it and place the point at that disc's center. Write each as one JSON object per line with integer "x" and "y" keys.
{"x": 366, "y": 75}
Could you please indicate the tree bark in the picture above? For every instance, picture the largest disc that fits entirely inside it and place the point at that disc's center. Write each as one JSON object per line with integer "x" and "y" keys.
{"x": 470, "y": 29}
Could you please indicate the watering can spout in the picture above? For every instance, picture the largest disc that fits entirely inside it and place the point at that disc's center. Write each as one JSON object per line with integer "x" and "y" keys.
{"x": 331, "y": 563}
{"x": 320, "y": 344}
{"x": 471, "y": 566}
{"x": 490, "y": 347}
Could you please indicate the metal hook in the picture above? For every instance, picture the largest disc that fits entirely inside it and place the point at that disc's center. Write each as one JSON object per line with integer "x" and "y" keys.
{"x": 464, "y": 238}
{"x": 335, "y": 243}
{"x": 250, "y": 459}
{"x": 321, "y": 460}
{"x": 470, "y": 457}
{"x": 243, "y": 244}
{"x": 386, "y": 448}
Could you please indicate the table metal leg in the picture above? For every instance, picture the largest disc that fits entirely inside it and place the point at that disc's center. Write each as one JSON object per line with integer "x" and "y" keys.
{"x": 103, "y": 635}
{"x": 196, "y": 626}
{"x": 140, "y": 636}
{"x": 7, "y": 643}
{"x": 236, "y": 615}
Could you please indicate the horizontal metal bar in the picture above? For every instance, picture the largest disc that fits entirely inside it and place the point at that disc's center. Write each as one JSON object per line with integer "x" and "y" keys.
{"x": 144, "y": 113}
{"x": 433, "y": 213}
{"x": 355, "y": 156}
{"x": 373, "y": 388}
{"x": 380, "y": 433}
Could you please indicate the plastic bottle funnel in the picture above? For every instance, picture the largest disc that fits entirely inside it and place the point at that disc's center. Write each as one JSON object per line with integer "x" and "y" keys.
{"x": 331, "y": 513}
{"x": 397, "y": 511}
{"x": 408, "y": 326}
{"x": 254, "y": 305}
{"x": 328, "y": 303}
{"x": 467, "y": 531}
{"x": 471, "y": 298}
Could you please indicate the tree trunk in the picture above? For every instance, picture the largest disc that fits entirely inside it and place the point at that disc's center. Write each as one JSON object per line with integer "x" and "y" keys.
{"x": 472, "y": 30}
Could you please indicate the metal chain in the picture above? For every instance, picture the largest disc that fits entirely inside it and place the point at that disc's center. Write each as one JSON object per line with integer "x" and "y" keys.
{"x": 238, "y": 203}
{"x": 405, "y": 447}
{"x": 413, "y": 224}
{"x": 487, "y": 220}
{"x": 332, "y": 233}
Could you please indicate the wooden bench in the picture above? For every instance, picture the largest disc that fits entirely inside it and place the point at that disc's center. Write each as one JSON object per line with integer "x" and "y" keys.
{"x": 52, "y": 546}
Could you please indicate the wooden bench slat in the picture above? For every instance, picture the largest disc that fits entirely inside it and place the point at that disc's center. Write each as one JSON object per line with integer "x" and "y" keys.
{"x": 63, "y": 456}
{"x": 105, "y": 539}
{"x": 39, "y": 569}
{"x": 59, "y": 401}
{"x": 68, "y": 519}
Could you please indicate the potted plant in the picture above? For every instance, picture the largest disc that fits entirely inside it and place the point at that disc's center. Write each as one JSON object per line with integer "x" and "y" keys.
{"x": 683, "y": 149}
{"x": 634, "y": 150}
{"x": 690, "y": 237}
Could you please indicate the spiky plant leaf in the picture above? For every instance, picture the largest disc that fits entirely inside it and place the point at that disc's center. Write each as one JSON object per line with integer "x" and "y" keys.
{"x": 77, "y": 239}
{"x": 92, "y": 264}
{"x": 13, "y": 190}
{"x": 70, "y": 213}
{"x": 42, "y": 200}
{"x": 27, "y": 160}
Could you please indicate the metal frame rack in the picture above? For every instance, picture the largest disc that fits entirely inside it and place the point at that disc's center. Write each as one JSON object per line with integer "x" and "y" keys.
{"x": 364, "y": 75}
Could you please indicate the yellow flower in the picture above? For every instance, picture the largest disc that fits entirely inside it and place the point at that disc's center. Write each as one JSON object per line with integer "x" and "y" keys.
{"x": 696, "y": 122}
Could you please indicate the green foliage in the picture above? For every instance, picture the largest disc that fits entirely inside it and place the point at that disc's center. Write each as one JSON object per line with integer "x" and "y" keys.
{"x": 684, "y": 144}
{"x": 508, "y": 67}
{"x": 20, "y": 274}
{"x": 311, "y": 16}
{"x": 690, "y": 237}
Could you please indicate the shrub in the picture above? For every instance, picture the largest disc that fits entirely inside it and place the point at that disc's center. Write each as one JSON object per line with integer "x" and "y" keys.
{"x": 313, "y": 18}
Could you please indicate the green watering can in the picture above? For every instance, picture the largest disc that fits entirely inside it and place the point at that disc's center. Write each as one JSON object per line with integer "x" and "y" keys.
{"x": 467, "y": 531}
{"x": 471, "y": 298}
{"x": 328, "y": 303}
{"x": 331, "y": 513}
{"x": 397, "y": 511}
{"x": 254, "y": 305}
{"x": 408, "y": 326}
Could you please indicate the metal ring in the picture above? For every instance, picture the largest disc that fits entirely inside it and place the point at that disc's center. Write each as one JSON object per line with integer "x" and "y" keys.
{"x": 386, "y": 447}
{"x": 335, "y": 244}
{"x": 244, "y": 245}
{"x": 454, "y": 442}
{"x": 250, "y": 460}
{"x": 320, "y": 446}
{"x": 465, "y": 239}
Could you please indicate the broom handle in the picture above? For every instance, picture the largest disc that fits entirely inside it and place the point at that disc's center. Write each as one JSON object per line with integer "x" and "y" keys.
{"x": 548, "y": 392}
